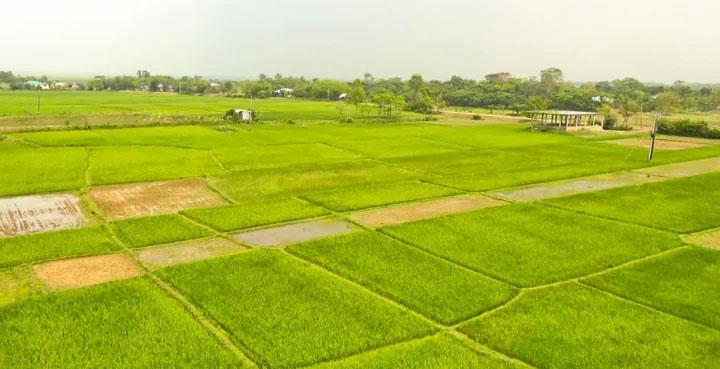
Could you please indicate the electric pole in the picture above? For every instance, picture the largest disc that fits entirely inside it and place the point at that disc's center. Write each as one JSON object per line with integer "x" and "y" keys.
{"x": 653, "y": 133}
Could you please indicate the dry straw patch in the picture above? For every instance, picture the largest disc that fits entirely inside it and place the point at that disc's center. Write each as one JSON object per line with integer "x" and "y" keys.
{"x": 163, "y": 256}
{"x": 143, "y": 199}
{"x": 710, "y": 239}
{"x": 76, "y": 273}
{"x": 407, "y": 213}
{"x": 295, "y": 233}
{"x": 686, "y": 169}
{"x": 44, "y": 213}
{"x": 660, "y": 144}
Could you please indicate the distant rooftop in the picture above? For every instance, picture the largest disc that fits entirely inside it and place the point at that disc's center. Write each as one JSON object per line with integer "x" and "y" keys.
{"x": 564, "y": 112}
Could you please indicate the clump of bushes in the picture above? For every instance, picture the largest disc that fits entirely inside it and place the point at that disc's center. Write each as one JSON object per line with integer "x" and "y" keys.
{"x": 688, "y": 128}
{"x": 476, "y": 117}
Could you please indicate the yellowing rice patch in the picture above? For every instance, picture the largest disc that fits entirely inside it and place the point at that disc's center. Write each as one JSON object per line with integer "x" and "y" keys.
{"x": 710, "y": 239}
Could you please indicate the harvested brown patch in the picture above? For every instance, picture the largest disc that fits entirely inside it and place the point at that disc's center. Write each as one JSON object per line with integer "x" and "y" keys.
{"x": 158, "y": 257}
{"x": 706, "y": 239}
{"x": 686, "y": 169}
{"x": 295, "y": 233}
{"x": 142, "y": 199}
{"x": 75, "y": 273}
{"x": 33, "y": 214}
{"x": 406, "y": 213}
{"x": 577, "y": 186}
{"x": 660, "y": 144}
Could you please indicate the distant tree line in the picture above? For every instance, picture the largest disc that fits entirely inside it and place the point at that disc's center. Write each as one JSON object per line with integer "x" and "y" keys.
{"x": 618, "y": 99}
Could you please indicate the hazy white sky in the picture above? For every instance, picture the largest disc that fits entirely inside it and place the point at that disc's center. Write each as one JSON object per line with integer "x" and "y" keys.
{"x": 653, "y": 40}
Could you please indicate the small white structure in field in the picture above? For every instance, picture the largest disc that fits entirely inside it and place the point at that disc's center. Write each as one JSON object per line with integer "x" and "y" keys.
{"x": 343, "y": 96}
{"x": 241, "y": 115}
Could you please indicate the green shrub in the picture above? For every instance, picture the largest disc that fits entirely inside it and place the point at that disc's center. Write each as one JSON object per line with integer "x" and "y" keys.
{"x": 688, "y": 128}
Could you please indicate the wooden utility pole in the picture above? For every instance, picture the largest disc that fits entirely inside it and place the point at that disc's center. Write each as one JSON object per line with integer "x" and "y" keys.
{"x": 653, "y": 133}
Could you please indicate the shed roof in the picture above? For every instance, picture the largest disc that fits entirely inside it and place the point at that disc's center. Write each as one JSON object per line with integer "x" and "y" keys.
{"x": 564, "y": 112}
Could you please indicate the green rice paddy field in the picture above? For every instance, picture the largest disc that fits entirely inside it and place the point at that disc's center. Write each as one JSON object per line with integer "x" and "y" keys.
{"x": 595, "y": 280}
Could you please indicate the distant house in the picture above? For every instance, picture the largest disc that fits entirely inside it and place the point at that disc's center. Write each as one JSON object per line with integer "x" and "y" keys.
{"x": 343, "y": 96}
{"x": 284, "y": 92}
{"x": 38, "y": 85}
{"x": 160, "y": 87}
{"x": 214, "y": 85}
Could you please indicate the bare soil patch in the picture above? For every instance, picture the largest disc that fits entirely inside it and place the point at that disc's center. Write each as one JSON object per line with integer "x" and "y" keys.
{"x": 706, "y": 239}
{"x": 686, "y": 169}
{"x": 295, "y": 233}
{"x": 406, "y": 213}
{"x": 661, "y": 144}
{"x": 143, "y": 199}
{"x": 577, "y": 186}
{"x": 75, "y": 273}
{"x": 33, "y": 214}
{"x": 158, "y": 257}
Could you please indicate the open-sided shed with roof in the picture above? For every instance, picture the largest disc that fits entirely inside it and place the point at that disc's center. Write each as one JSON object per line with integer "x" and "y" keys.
{"x": 566, "y": 120}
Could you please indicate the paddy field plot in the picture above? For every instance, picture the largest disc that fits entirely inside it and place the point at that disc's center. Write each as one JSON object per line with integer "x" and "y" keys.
{"x": 363, "y": 245}
{"x": 254, "y": 214}
{"x": 529, "y": 245}
{"x": 34, "y": 214}
{"x": 681, "y": 282}
{"x": 407, "y": 213}
{"x": 288, "y": 313}
{"x": 354, "y": 198}
{"x": 437, "y": 352}
{"x": 441, "y": 290}
{"x": 143, "y": 199}
{"x": 28, "y": 170}
{"x": 87, "y": 271}
{"x": 596, "y": 330}
{"x": 683, "y": 205}
{"x": 121, "y": 164}
{"x": 47, "y": 246}
{"x": 295, "y": 233}
{"x": 187, "y": 252}
{"x": 160, "y": 229}
{"x": 129, "y": 324}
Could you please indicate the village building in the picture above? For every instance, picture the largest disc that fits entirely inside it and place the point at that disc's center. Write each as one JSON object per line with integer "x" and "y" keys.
{"x": 284, "y": 92}
{"x": 38, "y": 85}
